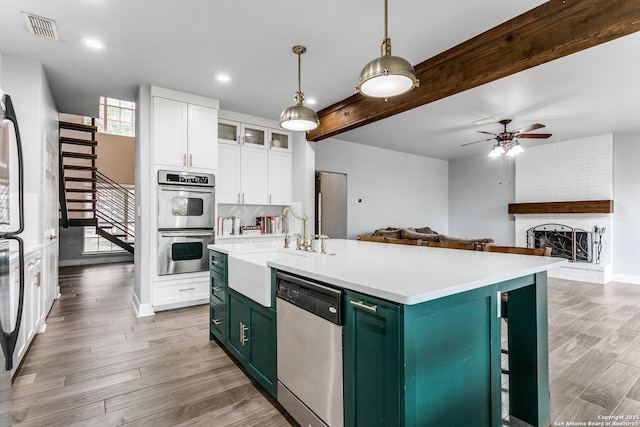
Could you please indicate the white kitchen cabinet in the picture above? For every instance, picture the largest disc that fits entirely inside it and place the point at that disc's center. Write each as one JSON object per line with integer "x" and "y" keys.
{"x": 185, "y": 135}
{"x": 253, "y": 175}
{"x": 181, "y": 291}
{"x": 253, "y": 136}
{"x": 242, "y": 174}
{"x": 228, "y": 178}
{"x": 32, "y": 309}
{"x": 280, "y": 177}
{"x": 254, "y": 165}
{"x": 279, "y": 140}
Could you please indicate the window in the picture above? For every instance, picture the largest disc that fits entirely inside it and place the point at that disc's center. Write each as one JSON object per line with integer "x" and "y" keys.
{"x": 116, "y": 117}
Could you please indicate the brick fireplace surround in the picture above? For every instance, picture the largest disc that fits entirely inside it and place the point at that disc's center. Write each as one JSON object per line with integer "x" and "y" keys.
{"x": 575, "y": 170}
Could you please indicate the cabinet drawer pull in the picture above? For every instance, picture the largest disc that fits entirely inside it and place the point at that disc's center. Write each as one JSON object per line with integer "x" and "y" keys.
{"x": 184, "y": 159}
{"x": 362, "y": 305}
{"x": 190, "y": 160}
{"x": 187, "y": 289}
{"x": 216, "y": 322}
{"x": 216, "y": 289}
{"x": 214, "y": 262}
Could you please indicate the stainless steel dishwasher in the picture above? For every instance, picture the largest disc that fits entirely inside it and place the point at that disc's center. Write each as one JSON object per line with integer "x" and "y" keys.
{"x": 309, "y": 319}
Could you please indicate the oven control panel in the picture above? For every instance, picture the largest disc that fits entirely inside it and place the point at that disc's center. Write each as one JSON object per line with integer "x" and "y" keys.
{"x": 185, "y": 178}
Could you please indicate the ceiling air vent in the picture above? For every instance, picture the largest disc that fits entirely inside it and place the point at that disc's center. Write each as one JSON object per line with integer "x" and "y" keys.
{"x": 42, "y": 27}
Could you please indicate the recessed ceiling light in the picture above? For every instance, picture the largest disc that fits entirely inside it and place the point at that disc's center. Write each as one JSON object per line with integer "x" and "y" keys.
{"x": 310, "y": 101}
{"x": 93, "y": 43}
{"x": 223, "y": 78}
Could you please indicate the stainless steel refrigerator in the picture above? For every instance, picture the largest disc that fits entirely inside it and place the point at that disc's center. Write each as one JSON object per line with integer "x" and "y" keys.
{"x": 331, "y": 204}
{"x": 11, "y": 296}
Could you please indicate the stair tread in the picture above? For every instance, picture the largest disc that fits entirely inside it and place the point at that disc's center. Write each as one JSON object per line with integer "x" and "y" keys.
{"x": 80, "y": 190}
{"x": 81, "y": 200}
{"x": 80, "y": 210}
{"x": 79, "y": 155}
{"x": 77, "y": 126}
{"x": 80, "y": 179}
{"x": 78, "y": 141}
{"x": 80, "y": 167}
{"x": 82, "y": 222}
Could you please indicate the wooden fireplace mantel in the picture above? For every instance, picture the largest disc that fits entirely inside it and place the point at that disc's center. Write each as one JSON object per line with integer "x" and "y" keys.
{"x": 575, "y": 207}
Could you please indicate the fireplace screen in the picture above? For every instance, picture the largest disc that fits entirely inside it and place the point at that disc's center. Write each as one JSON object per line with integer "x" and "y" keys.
{"x": 573, "y": 244}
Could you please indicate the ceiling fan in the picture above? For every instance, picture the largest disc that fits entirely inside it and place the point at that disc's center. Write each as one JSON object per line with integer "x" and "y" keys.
{"x": 508, "y": 141}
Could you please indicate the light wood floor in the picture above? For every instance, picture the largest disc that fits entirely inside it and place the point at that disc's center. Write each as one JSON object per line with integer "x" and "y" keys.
{"x": 99, "y": 365}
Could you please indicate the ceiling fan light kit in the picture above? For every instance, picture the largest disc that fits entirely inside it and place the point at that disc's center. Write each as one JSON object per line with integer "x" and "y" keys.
{"x": 507, "y": 141}
{"x": 387, "y": 75}
{"x": 299, "y": 117}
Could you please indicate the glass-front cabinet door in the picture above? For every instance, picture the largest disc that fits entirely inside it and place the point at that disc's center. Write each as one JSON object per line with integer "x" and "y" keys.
{"x": 279, "y": 140}
{"x": 228, "y": 131}
{"x": 253, "y": 135}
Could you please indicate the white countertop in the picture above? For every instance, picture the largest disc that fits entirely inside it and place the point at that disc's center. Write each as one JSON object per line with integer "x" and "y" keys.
{"x": 400, "y": 273}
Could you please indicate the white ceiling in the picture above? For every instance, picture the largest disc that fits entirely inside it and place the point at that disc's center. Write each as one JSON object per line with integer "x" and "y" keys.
{"x": 182, "y": 45}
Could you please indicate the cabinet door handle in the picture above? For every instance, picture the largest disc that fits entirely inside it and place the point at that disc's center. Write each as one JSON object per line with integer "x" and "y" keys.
{"x": 243, "y": 329}
{"x": 362, "y": 305}
{"x": 238, "y": 197}
{"x": 269, "y": 198}
{"x": 216, "y": 289}
{"x": 216, "y": 322}
{"x": 242, "y": 197}
{"x": 187, "y": 289}
{"x": 214, "y": 262}
{"x": 190, "y": 160}
{"x": 184, "y": 159}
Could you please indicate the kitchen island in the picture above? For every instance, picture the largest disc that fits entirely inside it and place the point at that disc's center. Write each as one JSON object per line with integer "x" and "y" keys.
{"x": 422, "y": 332}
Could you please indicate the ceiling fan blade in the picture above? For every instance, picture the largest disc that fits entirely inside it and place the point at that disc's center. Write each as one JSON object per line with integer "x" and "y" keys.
{"x": 529, "y": 128}
{"x": 488, "y": 133}
{"x": 475, "y": 142}
{"x": 534, "y": 135}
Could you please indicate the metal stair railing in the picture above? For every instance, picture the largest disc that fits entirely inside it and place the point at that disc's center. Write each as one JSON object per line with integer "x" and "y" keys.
{"x": 115, "y": 210}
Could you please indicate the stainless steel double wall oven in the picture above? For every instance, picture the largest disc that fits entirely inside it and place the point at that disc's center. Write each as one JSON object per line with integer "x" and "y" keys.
{"x": 186, "y": 221}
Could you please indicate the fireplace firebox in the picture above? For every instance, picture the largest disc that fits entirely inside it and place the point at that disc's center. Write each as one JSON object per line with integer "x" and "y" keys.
{"x": 567, "y": 242}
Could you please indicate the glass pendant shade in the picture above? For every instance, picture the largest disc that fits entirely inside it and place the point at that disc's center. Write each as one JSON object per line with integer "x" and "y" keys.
{"x": 514, "y": 150}
{"x": 497, "y": 151}
{"x": 298, "y": 117}
{"x": 387, "y": 76}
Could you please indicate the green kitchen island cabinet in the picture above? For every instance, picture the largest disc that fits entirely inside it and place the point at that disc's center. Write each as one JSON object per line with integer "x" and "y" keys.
{"x": 252, "y": 338}
{"x": 218, "y": 296}
{"x": 437, "y": 363}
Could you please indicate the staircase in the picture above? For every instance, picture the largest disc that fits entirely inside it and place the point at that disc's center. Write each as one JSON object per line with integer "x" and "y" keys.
{"x": 77, "y": 174}
{"x": 88, "y": 197}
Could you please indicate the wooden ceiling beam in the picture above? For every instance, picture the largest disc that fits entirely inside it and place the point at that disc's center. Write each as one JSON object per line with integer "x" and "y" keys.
{"x": 553, "y": 30}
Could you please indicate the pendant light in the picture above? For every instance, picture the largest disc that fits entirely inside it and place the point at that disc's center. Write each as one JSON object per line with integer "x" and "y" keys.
{"x": 299, "y": 117}
{"x": 387, "y": 75}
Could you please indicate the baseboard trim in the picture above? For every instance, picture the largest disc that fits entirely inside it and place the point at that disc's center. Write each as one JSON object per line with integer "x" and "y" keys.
{"x": 627, "y": 278}
{"x": 141, "y": 310}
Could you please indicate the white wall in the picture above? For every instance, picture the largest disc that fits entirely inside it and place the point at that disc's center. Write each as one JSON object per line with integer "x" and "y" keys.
{"x": 26, "y": 83}
{"x": 144, "y": 180}
{"x": 480, "y": 190}
{"x": 626, "y": 197}
{"x": 303, "y": 190}
{"x": 396, "y": 189}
